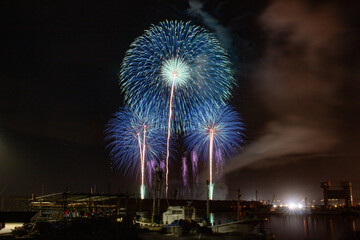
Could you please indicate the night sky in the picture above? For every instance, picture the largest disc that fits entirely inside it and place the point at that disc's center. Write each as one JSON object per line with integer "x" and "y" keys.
{"x": 297, "y": 69}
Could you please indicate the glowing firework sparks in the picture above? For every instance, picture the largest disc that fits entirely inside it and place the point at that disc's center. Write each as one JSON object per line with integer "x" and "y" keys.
{"x": 169, "y": 133}
{"x": 151, "y": 166}
{"x": 175, "y": 58}
{"x": 194, "y": 163}
{"x": 184, "y": 171}
{"x": 219, "y": 164}
{"x": 214, "y": 127}
{"x": 142, "y": 164}
{"x": 211, "y": 147}
{"x": 135, "y": 129}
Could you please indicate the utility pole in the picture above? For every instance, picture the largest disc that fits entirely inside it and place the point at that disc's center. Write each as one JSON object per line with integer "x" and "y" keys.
{"x": 157, "y": 193}
{"x": 154, "y": 199}
{"x": 238, "y": 204}
{"x": 41, "y": 200}
{"x": 256, "y": 195}
{"x": 2, "y": 203}
{"x": 3, "y": 197}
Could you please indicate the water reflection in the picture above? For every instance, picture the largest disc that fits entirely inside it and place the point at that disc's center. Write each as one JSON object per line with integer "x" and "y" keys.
{"x": 306, "y": 227}
{"x": 299, "y": 227}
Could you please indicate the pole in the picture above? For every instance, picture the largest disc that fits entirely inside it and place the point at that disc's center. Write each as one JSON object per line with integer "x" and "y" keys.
{"x": 154, "y": 200}
{"x": 160, "y": 173}
{"x": 238, "y": 204}
{"x": 2, "y": 203}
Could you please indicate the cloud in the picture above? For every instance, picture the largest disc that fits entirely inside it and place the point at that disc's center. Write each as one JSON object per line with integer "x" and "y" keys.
{"x": 283, "y": 141}
{"x": 298, "y": 80}
{"x": 222, "y": 33}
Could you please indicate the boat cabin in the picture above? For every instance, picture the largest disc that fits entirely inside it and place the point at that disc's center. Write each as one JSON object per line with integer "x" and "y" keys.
{"x": 178, "y": 212}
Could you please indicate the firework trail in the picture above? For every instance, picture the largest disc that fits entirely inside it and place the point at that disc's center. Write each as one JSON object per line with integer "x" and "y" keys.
{"x": 177, "y": 66}
{"x": 151, "y": 165}
{"x": 214, "y": 127}
{"x": 133, "y": 135}
{"x": 219, "y": 164}
{"x": 194, "y": 163}
{"x": 184, "y": 171}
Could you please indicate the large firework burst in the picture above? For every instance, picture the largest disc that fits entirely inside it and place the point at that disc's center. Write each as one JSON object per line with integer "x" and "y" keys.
{"x": 177, "y": 66}
{"x": 174, "y": 53}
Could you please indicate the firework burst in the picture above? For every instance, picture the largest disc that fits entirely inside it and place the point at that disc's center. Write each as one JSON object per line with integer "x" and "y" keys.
{"x": 134, "y": 139}
{"x": 217, "y": 127}
{"x": 177, "y": 66}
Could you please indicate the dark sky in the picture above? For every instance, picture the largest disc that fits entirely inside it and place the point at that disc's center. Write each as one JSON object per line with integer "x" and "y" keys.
{"x": 296, "y": 63}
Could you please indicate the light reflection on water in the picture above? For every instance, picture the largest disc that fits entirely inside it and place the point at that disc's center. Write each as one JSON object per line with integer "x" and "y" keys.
{"x": 299, "y": 227}
{"x": 304, "y": 227}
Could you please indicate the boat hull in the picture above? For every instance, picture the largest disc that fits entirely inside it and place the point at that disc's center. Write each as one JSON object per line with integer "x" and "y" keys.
{"x": 237, "y": 227}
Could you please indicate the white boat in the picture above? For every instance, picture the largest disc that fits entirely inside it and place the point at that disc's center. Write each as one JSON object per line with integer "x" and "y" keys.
{"x": 245, "y": 226}
{"x": 178, "y": 212}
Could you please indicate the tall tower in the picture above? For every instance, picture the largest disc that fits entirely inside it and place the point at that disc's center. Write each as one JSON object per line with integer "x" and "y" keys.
{"x": 325, "y": 186}
{"x": 347, "y": 186}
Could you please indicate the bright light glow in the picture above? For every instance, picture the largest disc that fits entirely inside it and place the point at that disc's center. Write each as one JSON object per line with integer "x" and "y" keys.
{"x": 142, "y": 191}
{"x": 212, "y": 221}
{"x": 211, "y": 191}
{"x": 275, "y": 206}
{"x": 292, "y": 206}
{"x": 175, "y": 71}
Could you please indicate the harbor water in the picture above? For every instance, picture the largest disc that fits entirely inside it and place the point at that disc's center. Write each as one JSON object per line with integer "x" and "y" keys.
{"x": 319, "y": 227}
{"x": 306, "y": 227}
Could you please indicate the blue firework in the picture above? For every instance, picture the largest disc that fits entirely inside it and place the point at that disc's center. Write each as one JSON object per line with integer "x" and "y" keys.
{"x": 180, "y": 55}
{"x": 225, "y": 125}
{"x": 128, "y": 131}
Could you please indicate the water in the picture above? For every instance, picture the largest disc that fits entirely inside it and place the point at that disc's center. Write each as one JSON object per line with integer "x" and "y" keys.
{"x": 300, "y": 227}
{"x": 304, "y": 227}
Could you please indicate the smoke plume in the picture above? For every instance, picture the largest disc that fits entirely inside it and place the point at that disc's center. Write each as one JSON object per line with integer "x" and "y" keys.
{"x": 300, "y": 80}
{"x": 222, "y": 33}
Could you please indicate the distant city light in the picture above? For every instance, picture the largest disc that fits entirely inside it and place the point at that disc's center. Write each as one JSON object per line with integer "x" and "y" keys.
{"x": 291, "y": 206}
